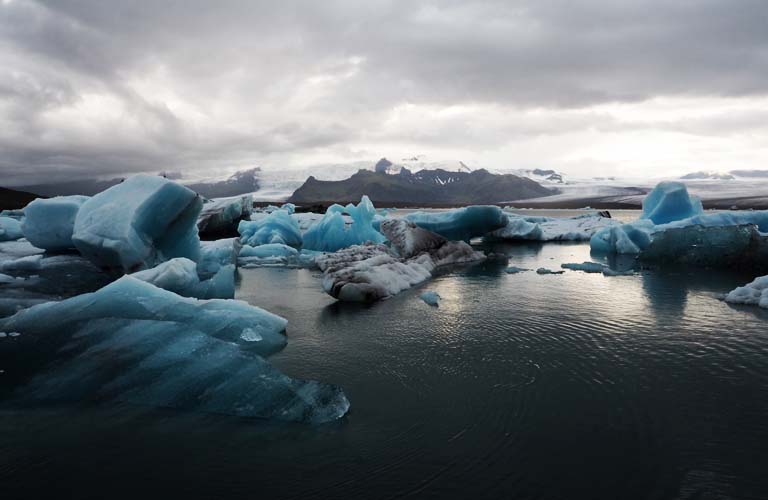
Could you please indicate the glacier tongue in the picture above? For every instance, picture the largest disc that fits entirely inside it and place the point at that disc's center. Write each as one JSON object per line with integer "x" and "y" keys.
{"x": 131, "y": 341}
{"x": 138, "y": 224}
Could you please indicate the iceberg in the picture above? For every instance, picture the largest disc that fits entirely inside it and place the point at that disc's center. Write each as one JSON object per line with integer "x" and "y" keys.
{"x": 138, "y": 224}
{"x": 587, "y": 267}
{"x": 181, "y": 276}
{"x": 370, "y": 272}
{"x": 630, "y": 238}
{"x": 515, "y": 270}
{"x": 49, "y": 223}
{"x": 461, "y": 224}
{"x": 277, "y": 227}
{"x": 580, "y": 228}
{"x": 288, "y": 207}
{"x": 431, "y": 298}
{"x": 669, "y": 201}
{"x": 220, "y": 216}
{"x": 331, "y": 233}
{"x": 10, "y": 229}
{"x": 753, "y": 293}
{"x": 544, "y": 270}
{"x": 133, "y": 342}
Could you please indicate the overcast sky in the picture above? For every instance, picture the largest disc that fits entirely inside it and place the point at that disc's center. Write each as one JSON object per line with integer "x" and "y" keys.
{"x": 596, "y": 87}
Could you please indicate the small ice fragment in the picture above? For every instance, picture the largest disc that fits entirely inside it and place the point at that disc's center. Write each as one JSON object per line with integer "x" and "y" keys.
{"x": 515, "y": 270}
{"x": 544, "y": 270}
{"x": 587, "y": 267}
{"x": 14, "y": 334}
{"x": 431, "y": 298}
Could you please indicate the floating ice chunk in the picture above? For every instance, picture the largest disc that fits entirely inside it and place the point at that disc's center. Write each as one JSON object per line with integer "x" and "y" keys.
{"x": 717, "y": 246}
{"x": 587, "y": 267}
{"x": 221, "y": 216}
{"x": 139, "y": 223}
{"x": 10, "y": 229}
{"x": 461, "y": 223}
{"x": 331, "y": 233}
{"x": 515, "y": 270}
{"x": 277, "y": 227}
{"x": 136, "y": 343}
{"x": 288, "y": 207}
{"x": 408, "y": 239}
{"x": 365, "y": 273}
{"x": 615, "y": 272}
{"x": 544, "y": 270}
{"x": 431, "y": 298}
{"x": 269, "y": 250}
{"x": 580, "y": 228}
{"x": 753, "y": 293}
{"x": 49, "y": 223}
{"x": 306, "y": 220}
{"x": 669, "y": 201}
{"x": 181, "y": 276}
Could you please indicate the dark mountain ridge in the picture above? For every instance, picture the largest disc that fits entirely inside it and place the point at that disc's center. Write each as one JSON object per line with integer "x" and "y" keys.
{"x": 425, "y": 186}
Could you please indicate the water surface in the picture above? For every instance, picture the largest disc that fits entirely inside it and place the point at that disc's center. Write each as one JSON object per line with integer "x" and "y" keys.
{"x": 517, "y": 386}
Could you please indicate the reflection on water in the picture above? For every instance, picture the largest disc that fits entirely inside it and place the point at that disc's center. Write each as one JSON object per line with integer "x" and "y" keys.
{"x": 517, "y": 386}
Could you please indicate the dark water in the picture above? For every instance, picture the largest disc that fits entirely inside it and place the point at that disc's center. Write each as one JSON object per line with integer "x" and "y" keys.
{"x": 517, "y": 386}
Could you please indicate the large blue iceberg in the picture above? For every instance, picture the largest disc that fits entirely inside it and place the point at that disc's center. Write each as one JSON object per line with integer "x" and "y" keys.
{"x": 277, "y": 227}
{"x": 669, "y": 201}
{"x": 133, "y": 342}
{"x": 461, "y": 224}
{"x": 332, "y": 233}
{"x": 138, "y": 224}
{"x": 49, "y": 223}
{"x": 221, "y": 216}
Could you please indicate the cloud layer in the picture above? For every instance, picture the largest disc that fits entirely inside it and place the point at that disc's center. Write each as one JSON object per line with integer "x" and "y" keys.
{"x": 106, "y": 88}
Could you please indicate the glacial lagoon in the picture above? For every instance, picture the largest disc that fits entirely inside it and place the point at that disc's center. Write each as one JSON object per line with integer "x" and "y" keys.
{"x": 517, "y": 386}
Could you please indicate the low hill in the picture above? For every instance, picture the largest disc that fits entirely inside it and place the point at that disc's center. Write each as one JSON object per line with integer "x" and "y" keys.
{"x": 11, "y": 199}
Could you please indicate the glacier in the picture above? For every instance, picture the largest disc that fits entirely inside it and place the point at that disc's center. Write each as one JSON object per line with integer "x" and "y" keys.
{"x": 133, "y": 342}
{"x": 461, "y": 224}
{"x": 277, "y": 227}
{"x": 579, "y": 228}
{"x": 139, "y": 223}
{"x": 49, "y": 223}
{"x": 332, "y": 233}
{"x": 10, "y": 229}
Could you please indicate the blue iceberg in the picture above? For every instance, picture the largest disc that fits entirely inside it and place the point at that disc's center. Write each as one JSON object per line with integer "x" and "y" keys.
{"x": 579, "y": 228}
{"x": 461, "y": 224}
{"x": 669, "y": 201}
{"x": 220, "y": 216}
{"x": 430, "y": 297}
{"x": 132, "y": 342}
{"x": 332, "y": 233}
{"x": 277, "y": 227}
{"x": 10, "y": 229}
{"x": 138, "y": 224}
{"x": 49, "y": 223}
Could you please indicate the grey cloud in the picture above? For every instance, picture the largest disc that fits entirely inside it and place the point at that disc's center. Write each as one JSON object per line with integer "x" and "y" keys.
{"x": 255, "y": 59}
